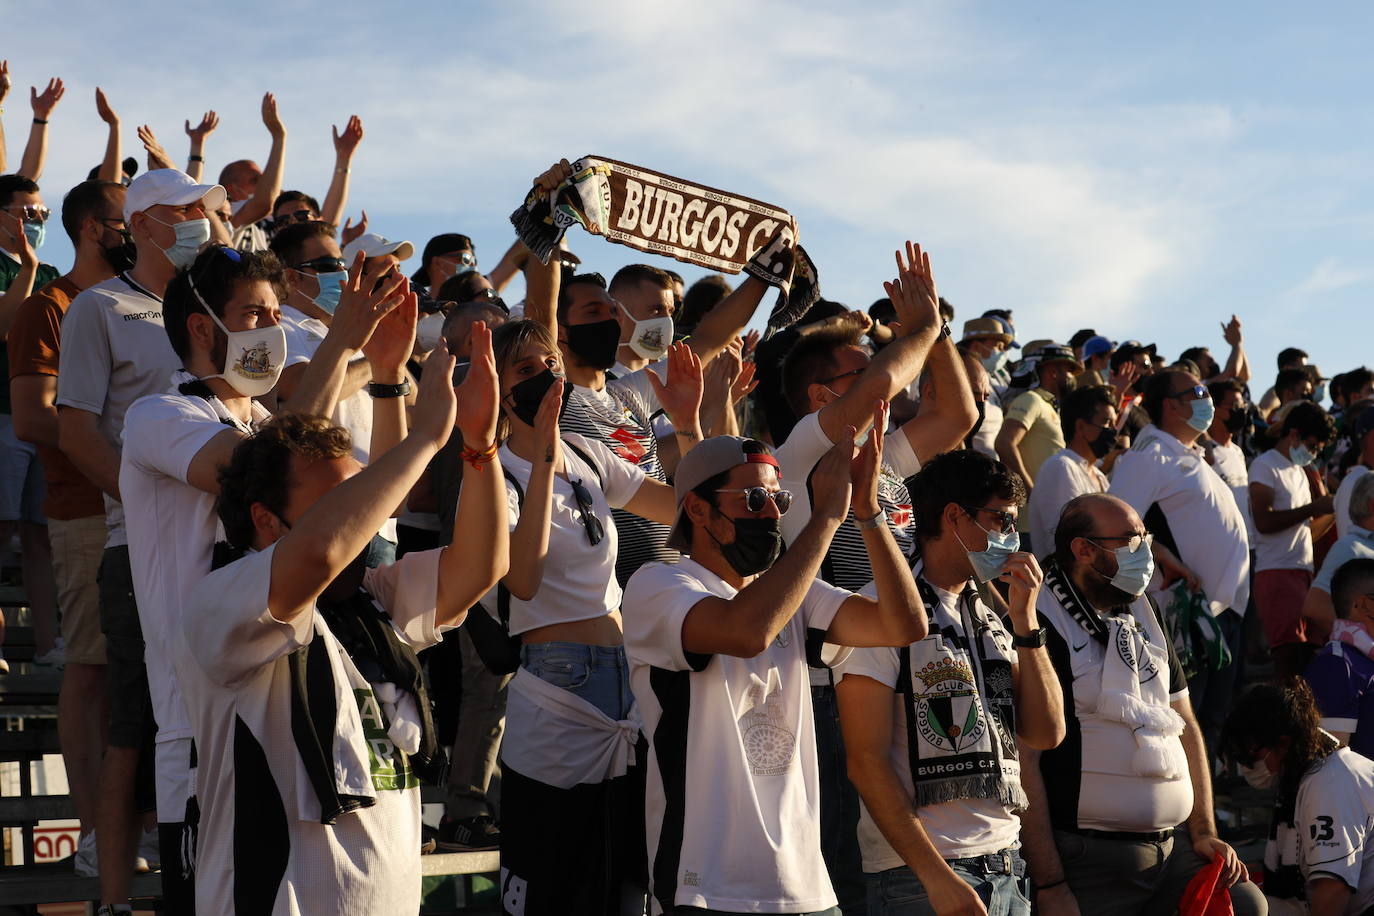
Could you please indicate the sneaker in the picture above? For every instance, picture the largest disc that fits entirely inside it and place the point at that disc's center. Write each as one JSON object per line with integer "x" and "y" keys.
{"x": 84, "y": 862}
{"x": 469, "y": 833}
{"x": 56, "y": 657}
{"x": 148, "y": 853}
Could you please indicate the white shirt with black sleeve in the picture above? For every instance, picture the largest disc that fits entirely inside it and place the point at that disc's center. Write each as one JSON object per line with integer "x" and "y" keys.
{"x": 1334, "y": 817}
{"x": 732, "y": 806}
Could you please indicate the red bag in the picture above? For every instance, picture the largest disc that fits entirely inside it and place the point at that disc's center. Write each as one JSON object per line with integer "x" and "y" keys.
{"x": 1207, "y": 894}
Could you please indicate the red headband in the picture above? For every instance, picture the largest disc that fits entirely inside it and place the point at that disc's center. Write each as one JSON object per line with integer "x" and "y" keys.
{"x": 760, "y": 458}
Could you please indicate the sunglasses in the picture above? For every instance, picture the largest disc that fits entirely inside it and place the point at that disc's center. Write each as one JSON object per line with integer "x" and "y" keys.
{"x": 31, "y": 213}
{"x": 323, "y": 264}
{"x": 586, "y": 513}
{"x": 1198, "y": 392}
{"x": 755, "y": 498}
{"x": 827, "y": 381}
{"x": 296, "y": 216}
{"x": 464, "y": 258}
{"x": 487, "y": 297}
{"x": 1006, "y": 521}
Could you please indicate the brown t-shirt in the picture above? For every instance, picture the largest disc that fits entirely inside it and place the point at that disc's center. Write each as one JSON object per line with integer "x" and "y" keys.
{"x": 34, "y": 342}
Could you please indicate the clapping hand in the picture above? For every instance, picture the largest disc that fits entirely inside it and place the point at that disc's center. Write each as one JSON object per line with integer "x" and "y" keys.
{"x": 364, "y": 302}
{"x": 913, "y": 292}
{"x": 832, "y": 480}
{"x": 270, "y": 119}
{"x": 351, "y": 232}
{"x": 208, "y": 122}
{"x": 680, "y": 395}
{"x": 157, "y": 156}
{"x": 102, "y": 108}
{"x": 478, "y": 407}
{"x": 867, "y": 466}
{"x": 347, "y": 142}
{"x": 44, "y": 102}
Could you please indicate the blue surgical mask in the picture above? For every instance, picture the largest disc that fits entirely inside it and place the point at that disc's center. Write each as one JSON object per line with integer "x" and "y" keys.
{"x": 1300, "y": 456}
{"x": 35, "y": 232}
{"x": 1133, "y": 570}
{"x": 331, "y": 288}
{"x": 1203, "y": 412}
{"x": 988, "y": 562}
{"x": 994, "y": 360}
{"x": 191, "y": 235}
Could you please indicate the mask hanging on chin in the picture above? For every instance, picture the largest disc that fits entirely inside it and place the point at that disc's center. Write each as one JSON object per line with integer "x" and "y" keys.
{"x": 1259, "y": 776}
{"x": 595, "y": 344}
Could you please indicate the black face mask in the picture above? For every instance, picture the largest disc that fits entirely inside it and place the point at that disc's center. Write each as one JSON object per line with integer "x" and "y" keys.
{"x": 529, "y": 394}
{"x": 1102, "y": 443}
{"x": 1237, "y": 421}
{"x": 121, "y": 257}
{"x": 595, "y": 344}
{"x": 756, "y": 547}
{"x": 977, "y": 424}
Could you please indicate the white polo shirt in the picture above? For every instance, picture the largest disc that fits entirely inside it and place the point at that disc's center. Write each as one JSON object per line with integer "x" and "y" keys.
{"x": 1334, "y": 817}
{"x": 1064, "y": 475}
{"x": 1199, "y": 507}
{"x": 1290, "y": 548}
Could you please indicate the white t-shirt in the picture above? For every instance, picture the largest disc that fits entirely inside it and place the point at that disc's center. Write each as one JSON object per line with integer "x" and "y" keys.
{"x": 233, "y": 665}
{"x": 172, "y": 529}
{"x": 958, "y": 829}
{"x": 985, "y": 440}
{"x": 250, "y": 237}
{"x": 1229, "y": 462}
{"x": 114, "y": 351}
{"x": 1064, "y": 475}
{"x": 579, "y": 578}
{"x": 1343, "y": 494}
{"x": 1290, "y": 548}
{"x": 1199, "y": 507}
{"x": 663, "y": 427}
{"x": 1334, "y": 817}
{"x": 732, "y": 807}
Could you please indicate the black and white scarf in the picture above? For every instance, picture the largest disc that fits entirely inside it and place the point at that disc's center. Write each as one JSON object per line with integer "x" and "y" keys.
{"x": 960, "y": 708}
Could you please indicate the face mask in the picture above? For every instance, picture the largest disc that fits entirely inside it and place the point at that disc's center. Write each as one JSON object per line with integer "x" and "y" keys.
{"x": 121, "y": 257}
{"x": 994, "y": 361}
{"x": 526, "y": 396}
{"x": 651, "y": 337}
{"x": 595, "y": 344}
{"x": 1259, "y": 776}
{"x": 1133, "y": 570}
{"x": 429, "y": 331}
{"x": 1318, "y": 395}
{"x": 1299, "y": 455}
{"x": 756, "y": 547}
{"x": 331, "y": 288}
{"x": 1203, "y": 412}
{"x": 1103, "y": 442}
{"x": 191, "y": 234}
{"x": 35, "y": 233}
{"x": 978, "y": 424}
{"x": 253, "y": 359}
{"x": 988, "y": 562}
{"x": 1237, "y": 420}
{"x": 1067, "y": 383}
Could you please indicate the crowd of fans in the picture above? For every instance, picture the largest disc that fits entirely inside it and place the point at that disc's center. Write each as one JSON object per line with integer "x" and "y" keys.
{"x": 886, "y": 613}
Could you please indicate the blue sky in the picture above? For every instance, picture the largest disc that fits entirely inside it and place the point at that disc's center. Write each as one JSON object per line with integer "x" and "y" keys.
{"x": 1145, "y": 171}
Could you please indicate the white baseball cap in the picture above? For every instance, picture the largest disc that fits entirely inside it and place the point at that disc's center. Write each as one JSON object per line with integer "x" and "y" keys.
{"x": 373, "y": 245}
{"x": 172, "y": 187}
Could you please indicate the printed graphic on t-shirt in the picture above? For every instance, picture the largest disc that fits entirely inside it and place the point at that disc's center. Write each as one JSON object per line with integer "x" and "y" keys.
{"x": 768, "y": 743}
{"x": 627, "y": 446}
{"x": 948, "y": 715}
{"x": 387, "y": 763}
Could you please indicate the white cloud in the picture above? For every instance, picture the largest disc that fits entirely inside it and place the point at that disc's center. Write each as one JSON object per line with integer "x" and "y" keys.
{"x": 1331, "y": 275}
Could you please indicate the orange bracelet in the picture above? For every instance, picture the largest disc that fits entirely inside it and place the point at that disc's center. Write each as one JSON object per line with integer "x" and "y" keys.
{"x": 479, "y": 457}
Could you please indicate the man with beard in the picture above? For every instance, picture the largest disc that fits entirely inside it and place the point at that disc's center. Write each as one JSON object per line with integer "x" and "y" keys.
{"x": 1099, "y": 832}
{"x": 92, "y": 215}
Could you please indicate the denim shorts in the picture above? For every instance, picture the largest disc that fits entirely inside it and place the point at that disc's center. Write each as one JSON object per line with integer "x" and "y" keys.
{"x": 598, "y": 674}
{"x": 998, "y": 879}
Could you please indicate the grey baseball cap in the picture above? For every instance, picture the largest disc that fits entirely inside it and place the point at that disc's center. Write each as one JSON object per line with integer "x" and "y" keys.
{"x": 711, "y": 457}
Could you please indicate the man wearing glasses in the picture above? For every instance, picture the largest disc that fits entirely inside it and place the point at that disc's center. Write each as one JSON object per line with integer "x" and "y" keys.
{"x": 1099, "y": 832}
{"x": 1191, "y": 511}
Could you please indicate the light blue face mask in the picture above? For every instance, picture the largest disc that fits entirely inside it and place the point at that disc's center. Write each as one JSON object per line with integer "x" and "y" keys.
{"x": 35, "y": 233}
{"x": 1300, "y": 456}
{"x": 191, "y": 235}
{"x": 331, "y": 288}
{"x": 995, "y": 360}
{"x": 1203, "y": 412}
{"x": 1133, "y": 570}
{"x": 988, "y": 562}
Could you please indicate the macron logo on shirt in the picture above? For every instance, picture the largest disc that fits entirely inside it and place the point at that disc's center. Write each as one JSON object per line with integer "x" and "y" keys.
{"x": 142, "y": 316}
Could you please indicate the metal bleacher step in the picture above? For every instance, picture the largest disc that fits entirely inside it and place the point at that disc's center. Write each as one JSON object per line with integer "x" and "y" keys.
{"x": 55, "y": 883}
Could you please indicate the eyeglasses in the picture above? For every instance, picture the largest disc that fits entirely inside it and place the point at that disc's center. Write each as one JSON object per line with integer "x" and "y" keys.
{"x": 586, "y": 512}
{"x": 323, "y": 264}
{"x": 1133, "y": 542}
{"x": 1198, "y": 393}
{"x": 119, "y": 220}
{"x": 859, "y": 371}
{"x": 296, "y": 216}
{"x": 464, "y": 258}
{"x": 1006, "y": 521}
{"x": 755, "y": 498}
{"x": 31, "y": 213}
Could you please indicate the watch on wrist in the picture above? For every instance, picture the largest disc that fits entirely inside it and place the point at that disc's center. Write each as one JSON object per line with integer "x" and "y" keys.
{"x": 873, "y": 523}
{"x": 1034, "y": 640}
{"x": 944, "y": 330}
{"x": 380, "y": 390}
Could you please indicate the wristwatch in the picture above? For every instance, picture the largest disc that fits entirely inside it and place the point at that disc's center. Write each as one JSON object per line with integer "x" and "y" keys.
{"x": 871, "y": 524}
{"x": 382, "y": 390}
{"x": 1035, "y": 640}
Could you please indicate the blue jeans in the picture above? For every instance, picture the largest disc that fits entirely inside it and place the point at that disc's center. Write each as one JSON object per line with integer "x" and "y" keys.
{"x": 998, "y": 879}
{"x": 598, "y": 674}
{"x": 839, "y": 805}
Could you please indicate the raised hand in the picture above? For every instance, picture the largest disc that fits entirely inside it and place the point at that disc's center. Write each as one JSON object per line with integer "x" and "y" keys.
{"x": 867, "y": 466}
{"x": 554, "y": 176}
{"x": 1230, "y": 331}
{"x": 478, "y": 405}
{"x": 347, "y": 142}
{"x": 270, "y": 119}
{"x": 745, "y": 382}
{"x": 751, "y": 343}
{"x": 351, "y": 232}
{"x": 1022, "y": 576}
{"x": 913, "y": 292}
{"x": 12, "y": 227}
{"x": 364, "y": 303}
{"x": 393, "y": 339}
{"x": 102, "y": 108}
{"x": 5, "y": 82}
{"x": 436, "y": 402}
{"x": 720, "y": 375}
{"x": 157, "y": 156}
{"x": 44, "y": 102}
{"x": 547, "y": 438}
{"x": 680, "y": 395}
{"x": 832, "y": 481}
{"x": 1124, "y": 377}
{"x": 208, "y": 123}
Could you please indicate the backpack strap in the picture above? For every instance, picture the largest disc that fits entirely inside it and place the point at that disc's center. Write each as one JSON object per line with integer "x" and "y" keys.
{"x": 503, "y": 593}
{"x": 587, "y": 460}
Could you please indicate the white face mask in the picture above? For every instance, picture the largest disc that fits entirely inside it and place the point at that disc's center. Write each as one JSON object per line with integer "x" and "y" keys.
{"x": 253, "y": 359}
{"x": 429, "y": 331}
{"x": 1259, "y": 776}
{"x": 651, "y": 337}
